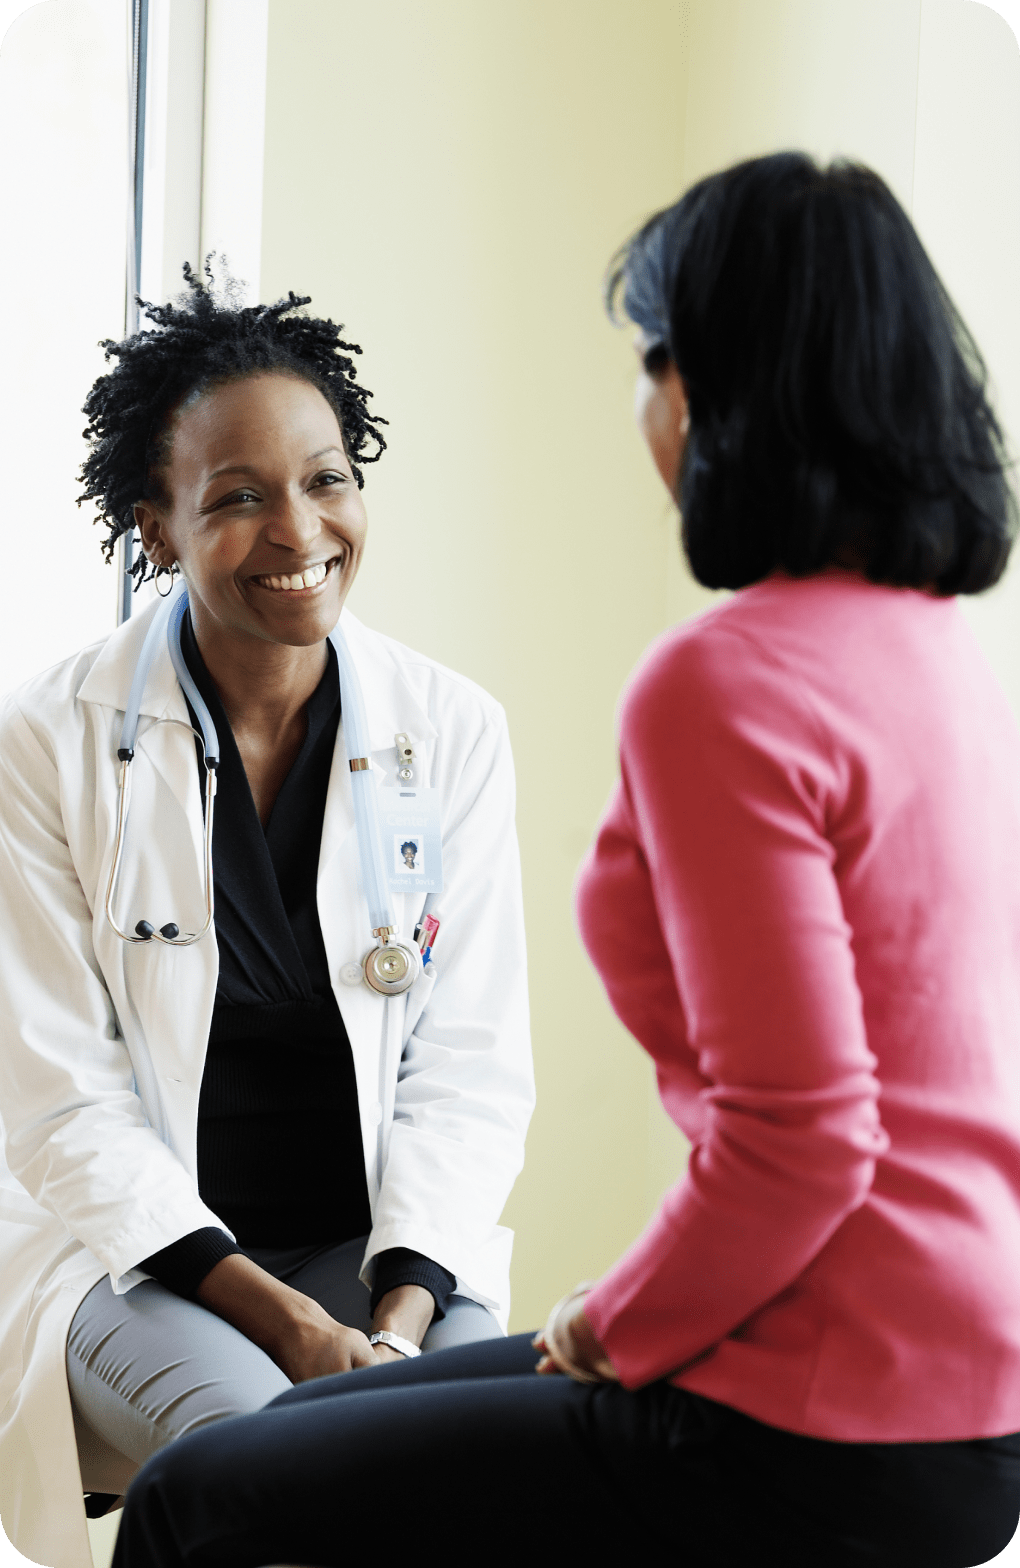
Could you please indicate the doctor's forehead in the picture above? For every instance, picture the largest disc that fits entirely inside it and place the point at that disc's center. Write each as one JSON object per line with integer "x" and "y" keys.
{"x": 254, "y": 421}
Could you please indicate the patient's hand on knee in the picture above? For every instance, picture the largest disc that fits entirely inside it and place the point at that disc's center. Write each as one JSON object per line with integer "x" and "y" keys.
{"x": 571, "y": 1344}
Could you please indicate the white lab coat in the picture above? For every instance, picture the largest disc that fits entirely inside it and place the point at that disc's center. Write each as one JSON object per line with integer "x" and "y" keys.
{"x": 102, "y": 1044}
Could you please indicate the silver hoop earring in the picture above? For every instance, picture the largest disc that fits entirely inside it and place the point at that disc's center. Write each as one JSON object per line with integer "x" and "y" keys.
{"x": 173, "y": 571}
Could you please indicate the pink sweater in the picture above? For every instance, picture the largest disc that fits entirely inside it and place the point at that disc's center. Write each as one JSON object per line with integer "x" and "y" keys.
{"x": 804, "y": 902}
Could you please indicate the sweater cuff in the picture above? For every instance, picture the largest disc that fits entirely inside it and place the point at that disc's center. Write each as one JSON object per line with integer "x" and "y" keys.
{"x": 183, "y": 1265}
{"x": 401, "y": 1266}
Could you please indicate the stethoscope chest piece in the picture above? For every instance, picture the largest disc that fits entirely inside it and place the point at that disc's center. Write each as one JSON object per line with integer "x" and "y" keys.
{"x": 392, "y": 968}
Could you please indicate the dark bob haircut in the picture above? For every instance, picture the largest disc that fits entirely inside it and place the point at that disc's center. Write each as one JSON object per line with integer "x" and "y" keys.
{"x": 206, "y": 339}
{"x": 838, "y": 403}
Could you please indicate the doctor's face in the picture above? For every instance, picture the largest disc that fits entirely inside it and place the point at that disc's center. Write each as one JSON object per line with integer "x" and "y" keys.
{"x": 264, "y": 516}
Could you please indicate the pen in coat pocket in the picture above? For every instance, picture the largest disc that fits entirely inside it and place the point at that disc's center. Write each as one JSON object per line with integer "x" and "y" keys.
{"x": 425, "y": 934}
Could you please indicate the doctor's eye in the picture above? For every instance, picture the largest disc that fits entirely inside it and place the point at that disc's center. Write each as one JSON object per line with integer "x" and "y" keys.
{"x": 237, "y": 498}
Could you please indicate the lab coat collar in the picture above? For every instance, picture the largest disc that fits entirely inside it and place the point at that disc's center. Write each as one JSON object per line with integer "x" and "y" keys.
{"x": 109, "y": 680}
{"x": 390, "y": 704}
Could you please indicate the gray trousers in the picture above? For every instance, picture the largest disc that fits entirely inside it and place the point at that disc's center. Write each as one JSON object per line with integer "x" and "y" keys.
{"x": 148, "y": 1366}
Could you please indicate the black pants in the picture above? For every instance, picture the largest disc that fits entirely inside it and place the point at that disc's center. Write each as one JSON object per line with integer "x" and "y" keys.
{"x": 466, "y": 1453}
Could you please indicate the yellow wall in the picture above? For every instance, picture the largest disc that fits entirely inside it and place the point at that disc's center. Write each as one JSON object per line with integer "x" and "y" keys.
{"x": 449, "y": 178}
{"x": 967, "y": 208}
{"x": 450, "y": 181}
{"x": 928, "y": 93}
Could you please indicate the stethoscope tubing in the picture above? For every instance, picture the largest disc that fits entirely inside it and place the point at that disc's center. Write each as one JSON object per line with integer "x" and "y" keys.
{"x": 157, "y": 629}
{"x": 393, "y": 966}
{"x": 210, "y": 739}
{"x": 363, "y": 790}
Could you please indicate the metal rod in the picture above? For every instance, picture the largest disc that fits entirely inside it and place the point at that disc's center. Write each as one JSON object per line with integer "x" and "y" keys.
{"x": 139, "y": 64}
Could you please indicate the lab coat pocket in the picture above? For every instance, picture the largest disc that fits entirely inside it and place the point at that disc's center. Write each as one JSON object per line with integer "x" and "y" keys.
{"x": 417, "y": 998}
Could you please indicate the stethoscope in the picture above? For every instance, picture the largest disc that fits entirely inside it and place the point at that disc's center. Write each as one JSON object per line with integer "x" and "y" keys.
{"x": 390, "y": 966}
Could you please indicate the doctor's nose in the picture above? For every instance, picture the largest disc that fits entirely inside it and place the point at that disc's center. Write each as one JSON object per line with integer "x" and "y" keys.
{"x": 293, "y": 522}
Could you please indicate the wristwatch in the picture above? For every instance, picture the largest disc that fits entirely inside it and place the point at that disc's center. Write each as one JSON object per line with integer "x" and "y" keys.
{"x": 406, "y": 1347}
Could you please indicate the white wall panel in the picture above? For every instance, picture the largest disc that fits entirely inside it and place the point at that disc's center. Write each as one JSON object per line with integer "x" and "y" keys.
{"x": 175, "y": 96}
{"x": 63, "y": 196}
{"x": 236, "y": 37}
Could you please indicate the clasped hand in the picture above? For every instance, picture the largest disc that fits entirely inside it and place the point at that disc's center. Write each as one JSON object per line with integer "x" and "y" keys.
{"x": 570, "y": 1343}
{"x": 316, "y": 1344}
{"x": 298, "y": 1334}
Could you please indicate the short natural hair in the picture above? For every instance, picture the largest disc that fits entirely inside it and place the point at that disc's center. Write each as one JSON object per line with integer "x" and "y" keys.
{"x": 838, "y": 407}
{"x": 206, "y": 339}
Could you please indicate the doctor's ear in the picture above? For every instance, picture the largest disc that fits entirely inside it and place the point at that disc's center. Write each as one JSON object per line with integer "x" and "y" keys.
{"x": 154, "y": 542}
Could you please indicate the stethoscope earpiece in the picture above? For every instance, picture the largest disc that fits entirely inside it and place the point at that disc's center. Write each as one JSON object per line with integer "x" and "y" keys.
{"x": 147, "y": 931}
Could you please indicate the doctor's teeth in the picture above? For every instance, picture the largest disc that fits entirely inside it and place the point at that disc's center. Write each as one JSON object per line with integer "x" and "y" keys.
{"x": 307, "y": 579}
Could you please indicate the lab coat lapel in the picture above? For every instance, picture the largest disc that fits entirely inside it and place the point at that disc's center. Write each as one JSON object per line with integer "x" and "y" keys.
{"x": 108, "y": 684}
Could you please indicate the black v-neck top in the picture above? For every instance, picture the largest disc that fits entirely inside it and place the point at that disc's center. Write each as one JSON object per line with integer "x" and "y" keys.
{"x": 280, "y": 1156}
{"x": 267, "y": 921}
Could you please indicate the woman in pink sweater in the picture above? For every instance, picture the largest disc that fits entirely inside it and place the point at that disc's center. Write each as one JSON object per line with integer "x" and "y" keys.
{"x": 804, "y": 902}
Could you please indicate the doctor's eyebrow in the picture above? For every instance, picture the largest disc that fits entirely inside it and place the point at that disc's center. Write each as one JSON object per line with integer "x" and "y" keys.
{"x": 246, "y": 468}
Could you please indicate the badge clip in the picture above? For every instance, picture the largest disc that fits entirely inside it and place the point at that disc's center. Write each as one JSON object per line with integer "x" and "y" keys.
{"x": 405, "y": 759}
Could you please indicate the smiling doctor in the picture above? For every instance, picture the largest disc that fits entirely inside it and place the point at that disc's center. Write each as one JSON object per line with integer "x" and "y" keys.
{"x": 230, "y": 1163}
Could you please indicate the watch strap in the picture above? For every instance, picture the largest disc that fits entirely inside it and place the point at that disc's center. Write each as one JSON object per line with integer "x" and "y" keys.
{"x": 406, "y": 1347}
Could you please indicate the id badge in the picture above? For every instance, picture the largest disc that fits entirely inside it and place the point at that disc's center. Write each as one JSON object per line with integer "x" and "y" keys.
{"x": 412, "y": 836}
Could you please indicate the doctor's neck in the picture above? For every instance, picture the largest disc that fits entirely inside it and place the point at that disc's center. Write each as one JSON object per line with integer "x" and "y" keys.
{"x": 264, "y": 689}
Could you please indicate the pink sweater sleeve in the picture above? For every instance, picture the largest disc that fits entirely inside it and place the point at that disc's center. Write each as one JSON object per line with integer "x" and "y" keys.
{"x": 711, "y": 909}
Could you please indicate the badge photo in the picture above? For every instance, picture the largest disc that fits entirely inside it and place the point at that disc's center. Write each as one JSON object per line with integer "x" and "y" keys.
{"x": 408, "y": 855}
